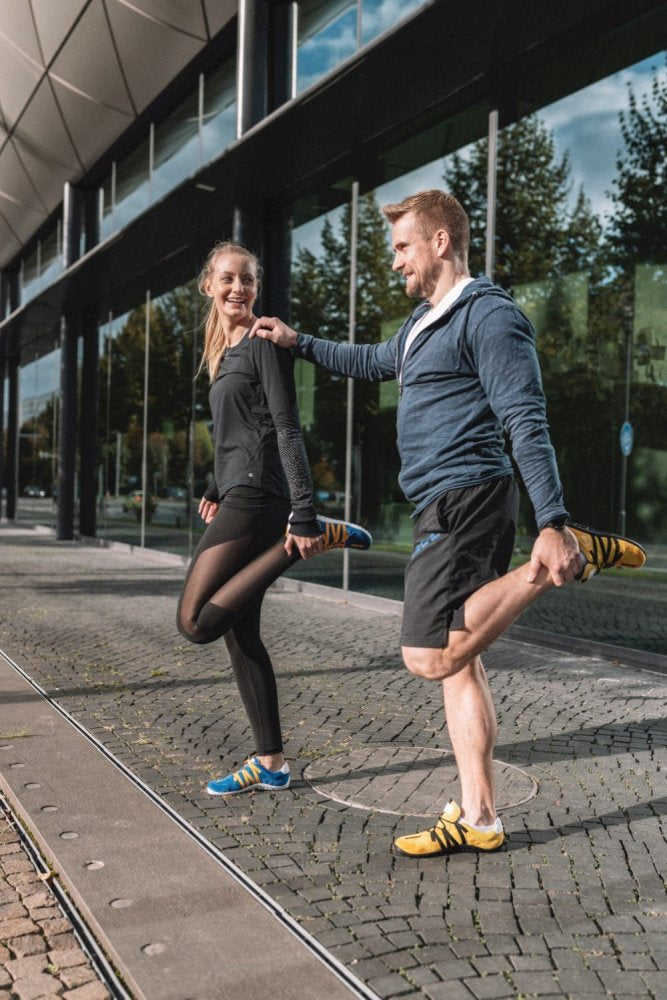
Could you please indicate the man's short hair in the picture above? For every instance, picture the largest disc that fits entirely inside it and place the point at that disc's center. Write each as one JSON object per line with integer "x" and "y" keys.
{"x": 436, "y": 210}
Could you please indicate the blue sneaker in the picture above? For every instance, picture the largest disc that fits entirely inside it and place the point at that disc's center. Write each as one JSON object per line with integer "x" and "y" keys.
{"x": 343, "y": 534}
{"x": 252, "y": 775}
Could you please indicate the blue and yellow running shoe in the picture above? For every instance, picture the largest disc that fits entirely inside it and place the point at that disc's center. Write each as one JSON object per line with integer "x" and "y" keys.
{"x": 252, "y": 775}
{"x": 343, "y": 534}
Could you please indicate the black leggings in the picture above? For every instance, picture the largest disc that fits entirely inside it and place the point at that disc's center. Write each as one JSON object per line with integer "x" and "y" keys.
{"x": 239, "y": 555}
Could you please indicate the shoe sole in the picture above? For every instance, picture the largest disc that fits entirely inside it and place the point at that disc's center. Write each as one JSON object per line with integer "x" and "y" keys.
{"x": 250, "y": 788}
{"x": 333, "y": 520}
{"x": 610, "y": 534}
{"x": 466, "y": 849}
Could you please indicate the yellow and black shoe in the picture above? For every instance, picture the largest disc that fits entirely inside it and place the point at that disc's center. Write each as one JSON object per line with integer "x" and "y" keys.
{"x": 603, "y": 551}
{"x": 451, "y": 835}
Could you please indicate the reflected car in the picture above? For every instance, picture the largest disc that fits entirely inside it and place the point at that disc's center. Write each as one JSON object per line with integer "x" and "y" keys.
{"x": 34, "y": 491}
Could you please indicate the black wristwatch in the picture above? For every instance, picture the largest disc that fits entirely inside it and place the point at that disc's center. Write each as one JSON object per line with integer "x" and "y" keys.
{"x": 557, "y": 523}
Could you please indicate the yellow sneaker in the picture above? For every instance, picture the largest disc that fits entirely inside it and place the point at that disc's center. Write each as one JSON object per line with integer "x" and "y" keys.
{"x": 450, "y": 835}
{"x": 603, "y": 551}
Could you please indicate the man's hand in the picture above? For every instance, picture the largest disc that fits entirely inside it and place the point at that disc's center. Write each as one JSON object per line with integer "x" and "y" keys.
{"x": 306, "y": 545}
{"x": 207, "y": 509}
{"x": 558, "y": 551}
{"x": 272, "y": 328}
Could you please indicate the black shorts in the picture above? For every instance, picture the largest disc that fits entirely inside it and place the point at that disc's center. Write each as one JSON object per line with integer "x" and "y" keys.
{"x": 462, "y": 540}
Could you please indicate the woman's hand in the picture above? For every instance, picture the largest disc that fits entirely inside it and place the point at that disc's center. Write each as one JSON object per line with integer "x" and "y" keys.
{"x": 306, "y": 545}
{"x": 207, "y": 509}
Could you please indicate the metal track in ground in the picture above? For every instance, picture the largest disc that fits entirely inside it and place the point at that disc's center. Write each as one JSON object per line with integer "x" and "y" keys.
{"x": 89, "y": 944}
{"x": 355, "y": 985}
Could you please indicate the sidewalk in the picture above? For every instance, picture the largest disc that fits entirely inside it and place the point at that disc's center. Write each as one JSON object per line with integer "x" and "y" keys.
{"x": 575, "y": 907}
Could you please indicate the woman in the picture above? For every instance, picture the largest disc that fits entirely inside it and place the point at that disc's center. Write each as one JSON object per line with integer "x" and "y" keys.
{"x": 262, "y": 489}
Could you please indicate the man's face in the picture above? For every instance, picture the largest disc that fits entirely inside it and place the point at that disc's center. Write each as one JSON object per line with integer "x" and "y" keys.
{"x": 416, "y": 257}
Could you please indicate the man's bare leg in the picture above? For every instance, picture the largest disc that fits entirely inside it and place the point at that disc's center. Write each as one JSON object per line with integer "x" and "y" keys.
{"x": 488, "y": 613}
{"x": 471, "y": 723}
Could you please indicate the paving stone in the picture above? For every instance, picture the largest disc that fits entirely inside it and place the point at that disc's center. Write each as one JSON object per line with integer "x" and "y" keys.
{"x": 538, "y": 983}
{"x": 490, "y": 987}
{"x": 623, "y": 983}
{"x": 36, "y": 985}
{"x": 91, "y": 991}
{"x": 77, "y": 976}
{"x": 19, "y": 968}
{"x": 31, "y": 944}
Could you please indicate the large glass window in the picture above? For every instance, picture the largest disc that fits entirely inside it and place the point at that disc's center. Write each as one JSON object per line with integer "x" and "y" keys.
{"x": 43, "y": 265}
{"x": 132, "y": 185}
{"x": 154, "y": 429}
{"x": 39, "y": 383}
{"x": 176, "y": 147}
{"x": 330, "y": 31}
{"x": 219, "y": 112}
{"x": 327, "y": 35}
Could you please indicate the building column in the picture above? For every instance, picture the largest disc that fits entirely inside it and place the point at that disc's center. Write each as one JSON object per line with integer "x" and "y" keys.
{"x": 3, "y": 369}
{"x": 67, "y": 437}
{"x": 11, "y": 367}
{"x": 69, "y": 331}
{"x": 251, "y": 65}
{"x": 88, "y": 426}
{"x": 12, "y": 464}
{"x": 282, "y": 54}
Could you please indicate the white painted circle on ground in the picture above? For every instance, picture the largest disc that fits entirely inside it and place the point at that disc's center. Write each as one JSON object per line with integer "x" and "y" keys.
{"x": 407, "y": 781}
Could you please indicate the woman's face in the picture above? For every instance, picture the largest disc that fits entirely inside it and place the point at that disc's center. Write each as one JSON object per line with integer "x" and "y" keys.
{"x": 233, "y": 286}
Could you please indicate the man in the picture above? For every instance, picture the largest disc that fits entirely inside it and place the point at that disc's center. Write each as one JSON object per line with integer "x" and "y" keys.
{"x": 467, "y": 370}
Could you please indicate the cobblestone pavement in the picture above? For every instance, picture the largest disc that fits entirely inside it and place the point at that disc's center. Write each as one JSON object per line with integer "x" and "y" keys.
{"x": 39, "y": 954}
{"x": 574, "y": 907}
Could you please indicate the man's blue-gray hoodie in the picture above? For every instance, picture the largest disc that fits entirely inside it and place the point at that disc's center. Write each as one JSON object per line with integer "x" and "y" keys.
{"x": 467, "y": 377}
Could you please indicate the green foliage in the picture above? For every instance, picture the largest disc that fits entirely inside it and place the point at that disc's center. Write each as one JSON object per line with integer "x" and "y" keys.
{"x": 537, "y": 234}
{"x": 172, "y": 364}
{"x": 638, "y": 227}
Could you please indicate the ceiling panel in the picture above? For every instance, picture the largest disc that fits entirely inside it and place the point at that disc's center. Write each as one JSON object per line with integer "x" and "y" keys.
{"x": 187, "y": 17}
{"x": 16, "y": 183}
{"x": 18, "y": 78}
{"x": 42, "y": 132}
{"x": 219, "y": 13}
{"x": 100, "y": 78}
{"x": 91, "y": 126}
{"x": 23, "y": 221}
{"x": 54, "y": 19}
{"x": 8, "y": 237}
{"x": 16, "y": 23}
{"x": 136, "y": 36}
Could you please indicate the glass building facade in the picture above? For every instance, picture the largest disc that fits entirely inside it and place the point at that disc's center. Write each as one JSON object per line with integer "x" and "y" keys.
{"x": 571, "y": 222}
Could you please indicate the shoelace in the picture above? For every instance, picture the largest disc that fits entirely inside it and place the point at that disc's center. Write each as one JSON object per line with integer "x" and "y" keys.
{"x": 606, "y": 551}
{"x": 248, "y": 775}
{"x": 449, "y": 838}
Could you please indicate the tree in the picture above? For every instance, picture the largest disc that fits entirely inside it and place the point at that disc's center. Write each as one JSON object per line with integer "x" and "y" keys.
{"x": 637, "y": 250}
{"x": 638, "y": 226}
{"x": 537, "y": 234}
{"x": 170, "y": 387}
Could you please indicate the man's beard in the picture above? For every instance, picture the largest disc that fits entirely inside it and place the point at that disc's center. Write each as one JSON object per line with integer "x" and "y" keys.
{"x": 423, "y": 287}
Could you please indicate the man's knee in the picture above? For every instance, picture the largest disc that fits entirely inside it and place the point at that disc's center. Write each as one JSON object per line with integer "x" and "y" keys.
{"x": 425, "y": 662}
{"x": 436, "y": 664}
